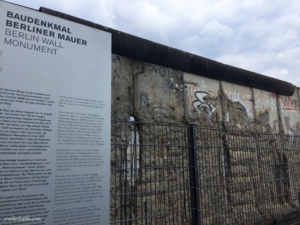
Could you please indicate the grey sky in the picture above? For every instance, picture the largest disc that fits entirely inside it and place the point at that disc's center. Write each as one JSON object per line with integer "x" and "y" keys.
{"x": 257, "y": 35}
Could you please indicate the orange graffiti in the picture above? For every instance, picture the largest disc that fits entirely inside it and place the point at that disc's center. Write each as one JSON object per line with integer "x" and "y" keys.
{"x": 214, "y": 94}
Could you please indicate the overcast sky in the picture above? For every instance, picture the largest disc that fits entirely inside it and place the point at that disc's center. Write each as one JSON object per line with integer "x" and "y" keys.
{"x": 257, "y": 35}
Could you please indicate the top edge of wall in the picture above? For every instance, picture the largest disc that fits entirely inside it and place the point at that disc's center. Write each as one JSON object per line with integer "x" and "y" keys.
{"x": 141, "y": 49}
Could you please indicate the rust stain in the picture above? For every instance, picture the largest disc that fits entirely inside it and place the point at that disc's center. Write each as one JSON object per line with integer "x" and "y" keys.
{"x": 212, "y": 93}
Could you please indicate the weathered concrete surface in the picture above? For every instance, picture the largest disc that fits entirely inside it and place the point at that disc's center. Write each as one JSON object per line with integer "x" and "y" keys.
{"x": 290, "y": 113}
{"x": 152, "y": 93}
{"x": 122, "y": 88}
{"x": 242, "y": 176}
{"x": 265, "y": 110}
{"x": 121, "y": 109}
{"x": 237, "y": 105}
{"x": 202, "y": 104}
{"x": 163, "y": 185}
{"x": 158, "y": 93}
{"x": 158, "y": 98}
{"x": 275, "y": 178}
{"x": 120, "y": 206}
{"x": 211, "y": 175}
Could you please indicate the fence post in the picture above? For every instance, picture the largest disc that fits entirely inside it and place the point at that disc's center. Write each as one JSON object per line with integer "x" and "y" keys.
{"x": 194, "y": 182}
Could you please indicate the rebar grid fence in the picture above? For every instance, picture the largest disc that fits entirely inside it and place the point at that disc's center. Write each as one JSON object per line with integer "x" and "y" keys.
{"x": 175, "y": 174}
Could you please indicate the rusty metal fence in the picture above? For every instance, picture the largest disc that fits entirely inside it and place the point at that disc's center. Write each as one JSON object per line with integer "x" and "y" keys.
{"x": 172, "y": 174}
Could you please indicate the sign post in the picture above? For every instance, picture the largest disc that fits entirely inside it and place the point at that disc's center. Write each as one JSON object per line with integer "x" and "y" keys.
{"x": 55, "y": 88}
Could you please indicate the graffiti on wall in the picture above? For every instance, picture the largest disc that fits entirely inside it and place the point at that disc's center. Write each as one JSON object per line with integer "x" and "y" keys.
{"x": 294, "y": 129}
{"x": 241, "y": 94}
{"x": 169, "y": 76}
{"x": 114, "y": 77}
{"x": 290, "y": 113}
{"x": 151, "y": 68}
{"x": 235, "y": 97}
{"x": 198, "y": 96}
{"x": 170, "y": 80}
{"x": 288, "y": 104}
{"x": 116, "y": 59}
{"x": 264, "y": 101}
{"x": 292, "y": 124}
{"x": 191, "y": 92}
{"x": 144, "y": 99}
{"x": 263, "y": 104}
{"x": 201, "y": 105}
{"x": 115, "y": 74}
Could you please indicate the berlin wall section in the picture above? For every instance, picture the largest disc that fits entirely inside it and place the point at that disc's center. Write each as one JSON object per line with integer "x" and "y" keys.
{"x": 167, "y": 95}
{"x": 153, "y": 83}
{"x": 156, "y": 94}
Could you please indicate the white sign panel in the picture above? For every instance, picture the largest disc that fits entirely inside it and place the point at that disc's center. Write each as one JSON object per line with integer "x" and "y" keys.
{"x": 55, "y": 104}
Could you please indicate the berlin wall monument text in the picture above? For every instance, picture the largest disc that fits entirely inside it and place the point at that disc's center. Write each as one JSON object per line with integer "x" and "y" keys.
{"x": 55, "y": 88}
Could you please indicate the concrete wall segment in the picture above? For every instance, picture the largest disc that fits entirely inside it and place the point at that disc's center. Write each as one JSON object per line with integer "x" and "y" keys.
{"x": 158, "y": 93}
{"x": 237, "y": 104}
{"x": 289, "y": 111}
{"x": 202, "y": 105}
{"x": 266, "y": 111}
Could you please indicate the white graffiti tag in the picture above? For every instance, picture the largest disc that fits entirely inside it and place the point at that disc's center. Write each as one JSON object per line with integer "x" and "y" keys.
{"x": 201, "y": 105}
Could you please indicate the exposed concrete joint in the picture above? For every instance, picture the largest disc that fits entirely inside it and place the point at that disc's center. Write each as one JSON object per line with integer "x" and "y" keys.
{"x": 253, "y": 102}
{"x": 221, "y": 96}
{"x": 131, "y": 98}
{"x": 298, "y": 97}
{"x": 280, "y": 120}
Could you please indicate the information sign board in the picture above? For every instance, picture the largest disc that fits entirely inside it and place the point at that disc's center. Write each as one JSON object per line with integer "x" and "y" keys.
{"x": 55, "y": 106}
